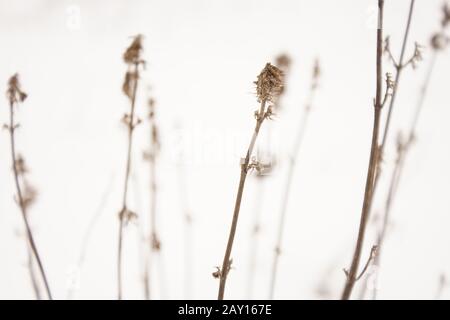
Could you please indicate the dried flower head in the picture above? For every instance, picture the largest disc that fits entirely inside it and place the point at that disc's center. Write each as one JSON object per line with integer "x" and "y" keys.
{"x": 283, "y": 61}
{"x": 269, "y": 83}
{"x": 439, "y": 41}
{"x": 133, "y": 53}
{"x": 14, "y": 92}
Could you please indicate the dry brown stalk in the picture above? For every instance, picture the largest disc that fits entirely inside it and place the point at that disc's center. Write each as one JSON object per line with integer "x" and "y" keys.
{"x": 150, "y": 156}
{"x": 268, "y": 87}
{"x": 404, "y": 144}
{"x": 290, "y": 174}
{"x": 24, "y": 197}
{"x": 399, "y": 67}
{"x": 374, "y": 156}
{"x": 132, "y": 58}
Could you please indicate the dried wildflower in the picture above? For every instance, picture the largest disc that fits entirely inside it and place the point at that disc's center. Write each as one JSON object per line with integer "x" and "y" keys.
{"x": 269, "y": 84}
{"x": 283, "y": 61}
{"x": 439, "y": 41}
{"x": 14, "y": 92}
{"x": 133, "y": 54}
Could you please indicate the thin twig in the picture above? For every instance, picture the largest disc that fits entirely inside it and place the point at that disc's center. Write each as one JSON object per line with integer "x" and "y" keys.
{"x": 352, "y": 274}
{"x": 132, "y": 58}
{"x": 402, "y": 151}
{"x": 13, "y": 102}
{"x": 399, "y": 67}
{"x": 150, "y": 156}
{"x": 269, "y": 84}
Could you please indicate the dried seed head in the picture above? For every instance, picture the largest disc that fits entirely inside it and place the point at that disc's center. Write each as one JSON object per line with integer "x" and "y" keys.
{"x": 439, "y": 41}
{"x": 133, "y": 53}
{"x": 283, "y": 61}
{"x": 269, "y": 83}
{"x": 14, "y": 92}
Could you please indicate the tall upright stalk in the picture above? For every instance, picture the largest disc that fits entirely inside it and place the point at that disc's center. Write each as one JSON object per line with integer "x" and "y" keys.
{"x": 133, "y": 59}
{"x": 374, "y": 156}
{"x": 399, "y": 66}
{"x": 290, "y": 174}
{"x": 268, "y": 86}
{"x": 16, "y": 96}
{"x": 404, "y": 145}
{"x": 153, "y": 238}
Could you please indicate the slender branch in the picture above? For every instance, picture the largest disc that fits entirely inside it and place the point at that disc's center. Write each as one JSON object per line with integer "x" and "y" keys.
{"x": 12, "y": 128}
{"x": 402, "y": 149}
{"x": 226, "y": 265}
{"x": 269, "y": 84}
{"x": 399, "y": 67}
{"x": 352, "y": 274}
{"x": 124, "y": 211}
{"x": 33, "y": 277}
{"x": 153, "y": 239}
{"x": 372, "y": 255}
{"x": 289, "y": 176}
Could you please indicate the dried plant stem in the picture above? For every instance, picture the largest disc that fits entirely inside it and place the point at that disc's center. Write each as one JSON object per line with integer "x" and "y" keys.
{"x": 152, "y": 229}
{"x": 399, "y": 67}
{"x": 12, "y": 128}
{"x": 153, "y": 239}
{"x": 226, "y": 265}
{"x": 374, "y": 156}
{"x": 33, "y": 277}
{"x": 400, "y": 163}
{"x": 287, "y": 187}
{"x": 131, "y": 127}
